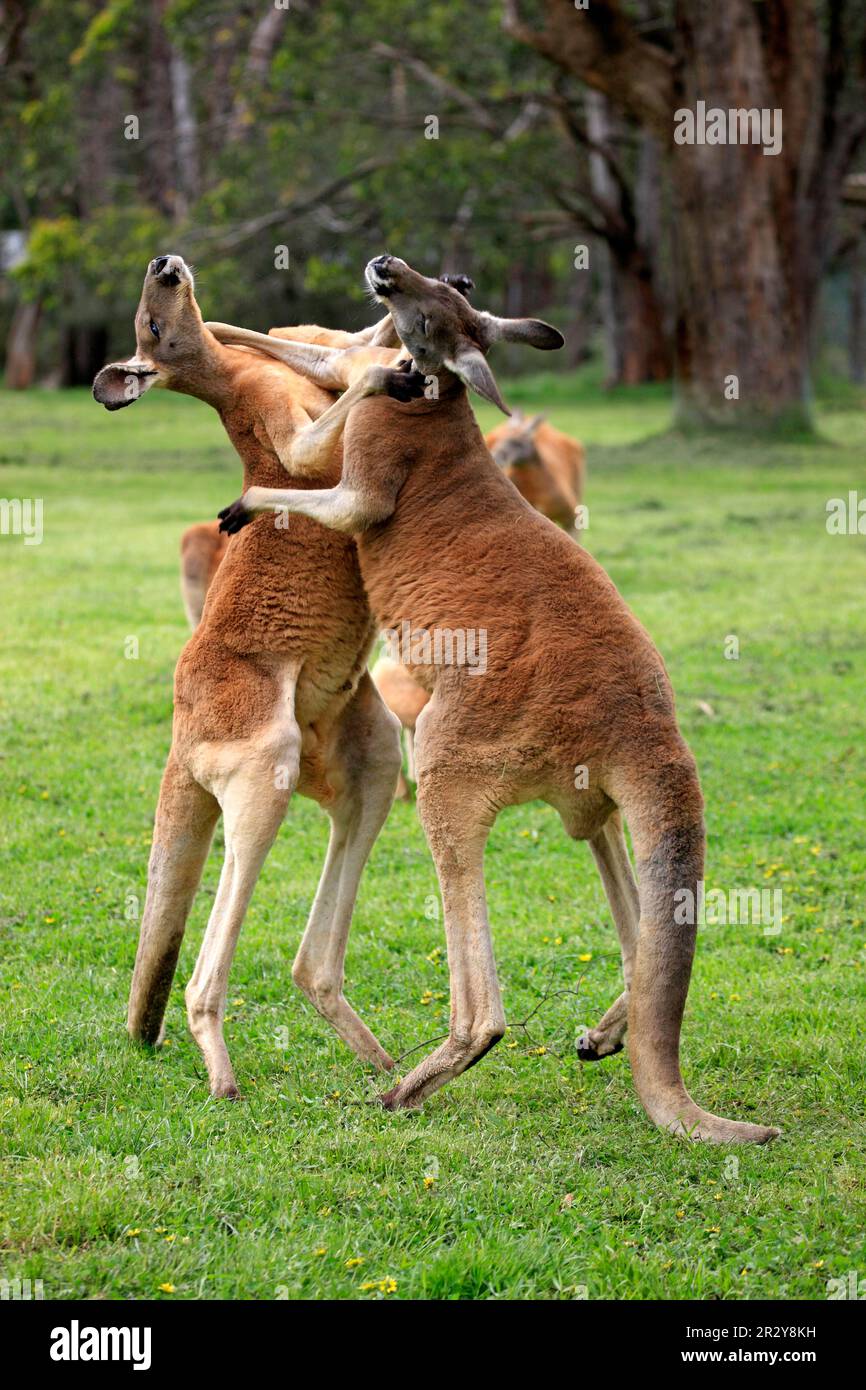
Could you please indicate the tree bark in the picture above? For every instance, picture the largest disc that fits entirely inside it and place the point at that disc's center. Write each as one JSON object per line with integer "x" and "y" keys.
{"x": 85, "y": 348}
{"x": 21, "y": 346}
{"x": 637, "y": 349}
{"x": 857, "y": 314}
{"x": 750, "y": 230}
{"x": 263, "y": 45}
{"x": 579, "y": 325}
{"x": 742, "y": 331}
{"x": 185, "y": 134}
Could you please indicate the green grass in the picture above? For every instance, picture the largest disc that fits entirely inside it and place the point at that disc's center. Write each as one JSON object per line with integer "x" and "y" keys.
{"x": 548, "y": 1178}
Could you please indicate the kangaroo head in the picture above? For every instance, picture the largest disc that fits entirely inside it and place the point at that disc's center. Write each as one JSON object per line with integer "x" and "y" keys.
{"x": 440, "y": 328}
{"x": 515, "y": 443}
{"x": 170, "y": 338}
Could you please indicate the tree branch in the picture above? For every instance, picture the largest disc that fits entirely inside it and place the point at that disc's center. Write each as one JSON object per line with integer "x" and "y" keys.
{"x": 602, "y": 47}
{"x": 580, "y": 138}
{"x": 221, "y": 241}
{"x": 441, "y": 85}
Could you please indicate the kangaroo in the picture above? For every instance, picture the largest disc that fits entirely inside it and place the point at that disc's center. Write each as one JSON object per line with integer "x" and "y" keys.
{"x": 546, "y": 466}
{"x": 575, "y": 707}
{"x": 203, "y": 546}
{"x": 405, "y": 698}
{"x": 202, "y": 550}
{"x": 272, "y": 693}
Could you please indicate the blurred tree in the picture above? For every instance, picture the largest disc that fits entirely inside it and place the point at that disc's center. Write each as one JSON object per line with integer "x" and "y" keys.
{"x": 278, "y": 148}
{"x": 752, "y": 232}
{"x": 850, "y": 253}
{"x": 227, "y": 132}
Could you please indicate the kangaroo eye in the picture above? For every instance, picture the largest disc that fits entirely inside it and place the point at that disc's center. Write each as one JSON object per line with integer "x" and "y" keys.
{"x": 154, "y": 328}
{"x": 424, "y": 324}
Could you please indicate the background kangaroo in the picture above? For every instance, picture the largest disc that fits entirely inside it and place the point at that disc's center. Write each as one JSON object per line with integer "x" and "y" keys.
{"x": 202, "y": 550}
{"x": 547, "y": 467}
{"x": 271, "y": 691}
{"x": 575, "y": 707}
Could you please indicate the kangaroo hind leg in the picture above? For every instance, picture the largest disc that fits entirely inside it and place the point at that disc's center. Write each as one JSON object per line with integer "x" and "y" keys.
{"x": 664, "y": 810}
{"x": 611, "y": 855}
{"x": 254, "y": 793}
{"x": 362, "y": 766}
{"x": 185, "y": 818}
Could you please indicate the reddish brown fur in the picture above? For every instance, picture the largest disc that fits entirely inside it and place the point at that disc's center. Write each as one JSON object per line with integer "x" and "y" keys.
{"x": 280, "y": 595}
{"x": 557, "y": 660}
{"x": 573, "y": 680}
{"x": 575, "y": 706}
{"x": 271, "y": 691}
{"x": 406, "y": 699}
{"x": 403, "y": 695}
{"x": 202, "y": 549}
{"x": 549, "y": 473}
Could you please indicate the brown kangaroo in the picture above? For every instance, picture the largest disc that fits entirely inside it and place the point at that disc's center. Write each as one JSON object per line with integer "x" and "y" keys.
{"x": 546, "y": 466}
{"x": 575, "y": 706}
{"x": 272, "y": 693}
{"x": 203, "y": 546}
{"x": 405, "y": 698}
{"x": 202, "y": 550}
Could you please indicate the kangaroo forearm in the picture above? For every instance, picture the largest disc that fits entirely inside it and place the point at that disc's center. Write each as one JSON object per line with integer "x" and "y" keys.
{"x": 381, "y": 334}
{"x": 339, "y": 508}
{"x": 322, "y": 364}
{"x": 311, "y": 448}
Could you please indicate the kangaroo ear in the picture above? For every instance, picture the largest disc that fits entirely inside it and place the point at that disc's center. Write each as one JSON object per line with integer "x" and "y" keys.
{"x": 533, "y": 332}
{"x": 121, "y": 383}
{"x": 472, "y": 369}
{"x": 462, "y": 283}
{"x": 532, "y": 424}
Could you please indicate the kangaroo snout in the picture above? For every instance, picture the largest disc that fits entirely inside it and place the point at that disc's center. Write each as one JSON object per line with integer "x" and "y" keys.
{"x": 378, "y": 273}
{"x": 170, "y": 270}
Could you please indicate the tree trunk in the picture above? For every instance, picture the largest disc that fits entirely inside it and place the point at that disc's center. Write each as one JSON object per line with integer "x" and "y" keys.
{"x": 21, "y": 346}
{"x": 85, "y": 348}
{"x": 636, "y": 349}
{"x": 857, "y": 314}
{"x": 455, "y": 258}
{"x": 578, "y": 327}
{"x": 263, "y": 45}
{"x": 598, "y": 128}
{"x": 185, "y": 134}
{"x": 748, "y": 241}
{"x": 742, "y": 331}
{"x": 644, "y": 354}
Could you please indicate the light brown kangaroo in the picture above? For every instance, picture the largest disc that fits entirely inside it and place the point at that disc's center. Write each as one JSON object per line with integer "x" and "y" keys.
{"x": 546, "y": 466}
{"x": 575, "y": 706}
{"x": 272, "y": 693}
{"x": 203, "y": 546}
{"x": 405, "y": 698}
{"x": 202, "y": 551}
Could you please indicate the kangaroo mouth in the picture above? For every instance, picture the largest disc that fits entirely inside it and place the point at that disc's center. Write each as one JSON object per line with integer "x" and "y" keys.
{"x": 170, "y": 271}
{"x": 381, "y": 286}
{"x": 377, "y": 276}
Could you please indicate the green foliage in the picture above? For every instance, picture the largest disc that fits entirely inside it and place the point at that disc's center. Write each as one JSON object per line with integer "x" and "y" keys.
{"x": 110, "y": 31}
{"x": 327, "y": 103}
{"x": 67, "y": 262}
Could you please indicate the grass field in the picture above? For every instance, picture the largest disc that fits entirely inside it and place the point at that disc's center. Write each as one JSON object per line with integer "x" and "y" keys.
{"x": 530, "y": 1177}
